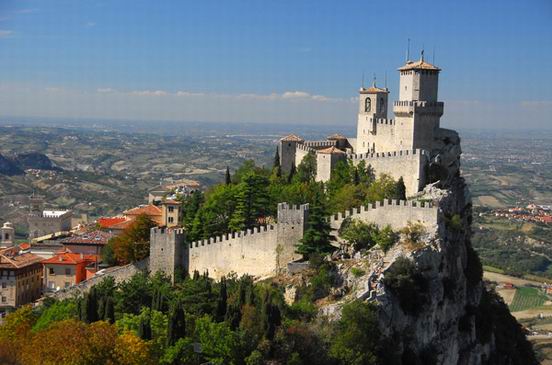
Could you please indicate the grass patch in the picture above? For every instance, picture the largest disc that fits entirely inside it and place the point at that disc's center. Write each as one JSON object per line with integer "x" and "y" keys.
{"x": 357, "y": 273}
{"x": 493, "y": 269}
{"x": 527, "y": 298}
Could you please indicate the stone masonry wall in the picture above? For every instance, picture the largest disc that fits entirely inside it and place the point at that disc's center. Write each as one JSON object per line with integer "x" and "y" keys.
{"x": 406, "y": 164}
{"x": 396, "y": 213}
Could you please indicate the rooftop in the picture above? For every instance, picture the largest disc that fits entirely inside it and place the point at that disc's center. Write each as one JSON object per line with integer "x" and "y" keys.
{"x": 54, "y": 213}
{"x": 107, "y": 222}
{"x": 149, "y": 210}
{"x": 91, "y": 238}
{"x": 419, "y": 65}
{"x": 12, "y": 258}
{"x": 292, "y": 138}
{"x": 373, "y": 90}
{"x": 69, "y": 258}
{"x": 331, "y": 150}
{"x": 336, "y": 136}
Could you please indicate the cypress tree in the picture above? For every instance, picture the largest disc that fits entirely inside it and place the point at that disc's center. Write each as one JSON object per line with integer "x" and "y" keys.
{"x": 227, "y": 177}
{"x": 144, "y": 329}
{"x": 276, "y": 163}
{"x": 177, "y": 324}
{"x": 109, "y": 314}
{"x": 291, "y": 174}
{"x": 400, "y": 189}
{"x": 92, "y": 306}
{"x": 222, "y": 301}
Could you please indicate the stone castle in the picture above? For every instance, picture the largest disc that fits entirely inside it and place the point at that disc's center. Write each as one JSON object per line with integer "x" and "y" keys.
{"x": 413, "y": 146}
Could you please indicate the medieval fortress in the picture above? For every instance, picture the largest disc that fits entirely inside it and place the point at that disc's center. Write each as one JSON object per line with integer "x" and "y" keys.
{"x": 409, "y": 146}
{"x": 412, "y": 146}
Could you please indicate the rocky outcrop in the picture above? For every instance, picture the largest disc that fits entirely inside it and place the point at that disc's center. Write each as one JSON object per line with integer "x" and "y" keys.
{"x": 433, "y": 306}
{"x": 19, "y": 163}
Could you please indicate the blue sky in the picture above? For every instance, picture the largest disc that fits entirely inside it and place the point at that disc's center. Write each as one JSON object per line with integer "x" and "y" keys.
{"x": 263, "y": 61}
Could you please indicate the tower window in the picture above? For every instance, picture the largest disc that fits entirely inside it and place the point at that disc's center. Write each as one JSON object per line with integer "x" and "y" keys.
{"x": 367, "y": 105}
{"x": 382, "y": 104}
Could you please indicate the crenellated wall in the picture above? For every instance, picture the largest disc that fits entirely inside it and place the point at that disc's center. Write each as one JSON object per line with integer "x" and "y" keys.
{"x": 407, "y": 164}
{"x": 396, "y": 213}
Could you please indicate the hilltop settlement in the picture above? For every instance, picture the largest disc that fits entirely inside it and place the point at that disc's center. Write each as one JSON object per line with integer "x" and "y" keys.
{"x": 382, "y": 218}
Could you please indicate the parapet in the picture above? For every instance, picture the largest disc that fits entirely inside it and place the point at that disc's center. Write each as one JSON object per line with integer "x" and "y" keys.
{"x": 231, "y": 236}
{"x": 320, "y": 144}
{"x": 393, "y": 212}
{"x": 292, "y": 214}
{"x": 305, "y": 148}
{"x": 393, "y": 154}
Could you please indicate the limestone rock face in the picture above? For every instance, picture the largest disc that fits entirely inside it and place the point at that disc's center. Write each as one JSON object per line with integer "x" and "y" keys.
{"x": 446, "y": 326}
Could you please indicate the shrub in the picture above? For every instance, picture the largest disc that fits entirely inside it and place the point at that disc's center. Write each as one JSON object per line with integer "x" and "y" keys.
{"x": 405, "y": 281}
{"x": 412, "y": 235}
{"x": 357, "y": 273}
{"x": 385, "y": 238}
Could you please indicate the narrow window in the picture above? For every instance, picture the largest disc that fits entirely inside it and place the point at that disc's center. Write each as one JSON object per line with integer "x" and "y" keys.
{"x": 367, "y": 105}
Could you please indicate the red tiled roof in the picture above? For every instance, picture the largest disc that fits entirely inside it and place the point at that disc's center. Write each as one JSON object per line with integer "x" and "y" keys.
{"x": 13, "y": 259}
{"x": 336, "y": 136}
{"x": 331, "y": 150}
{"x": 149, "y": 210}
{"x": 24, "y": 246}
{"x": 122, "y": 225}
{"x": 91, "y": 238}
{"x": 67, "y": 258}
{"x": 107, "y": 222}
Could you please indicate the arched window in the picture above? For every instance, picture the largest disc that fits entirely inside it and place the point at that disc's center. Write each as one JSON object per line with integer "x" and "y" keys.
{"x": 382, "y": 105}
{"x": 367, "y": 105}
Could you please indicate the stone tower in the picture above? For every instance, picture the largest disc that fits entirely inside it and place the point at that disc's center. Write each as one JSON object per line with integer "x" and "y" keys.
{"x": 372, "y": 107}
{"x": 168, "y": 251}
{"x": 417, "y": 112}
{"x": 287, "y": 150}
{"x": 7, "y": 235}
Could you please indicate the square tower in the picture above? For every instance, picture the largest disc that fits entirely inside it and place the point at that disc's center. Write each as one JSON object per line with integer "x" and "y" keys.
{"x": 372, "y": 107}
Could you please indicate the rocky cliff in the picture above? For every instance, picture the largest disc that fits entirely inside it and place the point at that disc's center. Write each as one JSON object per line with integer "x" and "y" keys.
{"x": 432, "y": 304}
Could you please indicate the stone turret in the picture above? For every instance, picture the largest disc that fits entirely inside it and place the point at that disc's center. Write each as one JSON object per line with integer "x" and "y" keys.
{"x": 7, "y": 233}
{"x": 287, "y": 150}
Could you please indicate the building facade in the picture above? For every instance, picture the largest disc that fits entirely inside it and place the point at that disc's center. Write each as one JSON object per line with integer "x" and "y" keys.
{"x": 20, "y": 278}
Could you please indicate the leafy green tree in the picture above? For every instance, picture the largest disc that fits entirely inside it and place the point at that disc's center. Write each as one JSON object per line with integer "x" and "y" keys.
{"x": 292, "y": 173}
{"x": 306, "y": 171}
{"x": 109, "y": 314}
{"x": 342, "y": 174}
{"x": 358, "y": 234}
{"x": 133, "y": 294}
{"x": 133, "y": 244}
{"x": 108, "y": 254}
{"x": 405, "y": 281}
{"x": 213, "y": 218}
{"x": 317, "y": 237}
{"x": 182, "y": 352}
{"x": 385, "y": 238}
{"x": 357, "y": 339}
{"x": 219, "y": 343}
{"x": 58, "y": 311}
{"x": 365, "y": 173}
{"x": 384, "y": 187}
{"x": 190, "y": 207}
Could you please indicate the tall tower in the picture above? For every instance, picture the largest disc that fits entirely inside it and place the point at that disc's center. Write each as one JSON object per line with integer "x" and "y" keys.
{"x": 7, "y": 233}
{"x": 417, "y": 112}
{"x": 372, "y": 106}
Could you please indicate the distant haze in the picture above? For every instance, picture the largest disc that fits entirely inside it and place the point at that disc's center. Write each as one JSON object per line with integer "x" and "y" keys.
{"x": 284, "y": 62}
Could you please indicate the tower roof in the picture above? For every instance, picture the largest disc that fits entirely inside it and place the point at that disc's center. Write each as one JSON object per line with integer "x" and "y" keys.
{"x": 331, "y": 150}
{"x": 373, "y": 90}
{"x": 419, "y": 65}
{"x": 336, "y": 136}
{"x": 292, "y": 138}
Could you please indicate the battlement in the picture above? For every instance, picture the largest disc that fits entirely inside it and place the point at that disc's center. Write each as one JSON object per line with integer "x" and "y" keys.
{"x": 232, "y": 236}
{"x": 396, "y": 213}
{"x": 383, "y": 121}
{"x": 394, "y": 154}
{"x": 167, "y": 230}
{"x": 305, "y": 148}
{"x": 320, "y": 144}
{"x": 408, "y": 107}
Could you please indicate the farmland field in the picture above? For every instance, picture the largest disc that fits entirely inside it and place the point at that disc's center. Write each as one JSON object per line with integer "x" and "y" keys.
{"x": 526, "y": 298}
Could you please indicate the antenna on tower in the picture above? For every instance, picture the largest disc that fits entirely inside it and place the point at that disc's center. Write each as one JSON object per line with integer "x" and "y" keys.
{"x": 422, "y": 54}
{"x": 374, "y": 83}
{"x": 433, "y": 56}
{"x": 362, "y": 80}
{"x": 385, "y": 79}
{"x": 408, "y": 51}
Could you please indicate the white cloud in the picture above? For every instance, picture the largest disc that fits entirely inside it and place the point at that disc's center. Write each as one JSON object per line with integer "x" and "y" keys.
{"x": 25, "y": 11}
{"x": 53, "y": 89}
{"x": 5, "y": 33}
{"x": 537, "y": 104}
{"x": 89, "y": 24}
{"x": 189, "y": 93}
{"x": 149, "y": 93}
{"x": 295, "y": 95}
{"x": 105, "y": 90}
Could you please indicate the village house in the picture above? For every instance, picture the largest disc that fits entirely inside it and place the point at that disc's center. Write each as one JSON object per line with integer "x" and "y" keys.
{"x": 67, "y": 269}
{"x": 87, "y": 243}
{"x": 20, "y": 278}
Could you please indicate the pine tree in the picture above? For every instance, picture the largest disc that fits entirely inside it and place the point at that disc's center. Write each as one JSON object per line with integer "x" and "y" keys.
{"x": 306, "y": 171}
{"x": 176, "y": 324}
{"x": 317, "y": 237}
{"x": 227, "y": 177}
{"x": 91, "y": 311}
{"x": 252, "y": 201}
{"x": 157, "y": 300}
{"x": 222, "y": 301}
{"x": 109, "y": 314}
{"x": 400, "y": 190}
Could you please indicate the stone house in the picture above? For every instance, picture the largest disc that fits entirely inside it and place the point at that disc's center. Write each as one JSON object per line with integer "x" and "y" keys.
{"x": 20, "y": 278}
{"x": 66, "y": 269}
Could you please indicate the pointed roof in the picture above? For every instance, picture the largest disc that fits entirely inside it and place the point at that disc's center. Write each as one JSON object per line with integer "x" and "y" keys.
{"x": 336, "y": 136}
{"x": 292, "y": 138}
{"x": 331, "y": 150}
{"x": 419, "y": 65}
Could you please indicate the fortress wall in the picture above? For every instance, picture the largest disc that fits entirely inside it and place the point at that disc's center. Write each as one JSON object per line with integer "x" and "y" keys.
{"x": 408, "y": 164}
{"x": 260, "y": 252}
{"x": 320, "y": 144}
{"x": 396, "y": 213}
{"x": 300, "y": 153}
{"x": 384, "y": 139}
